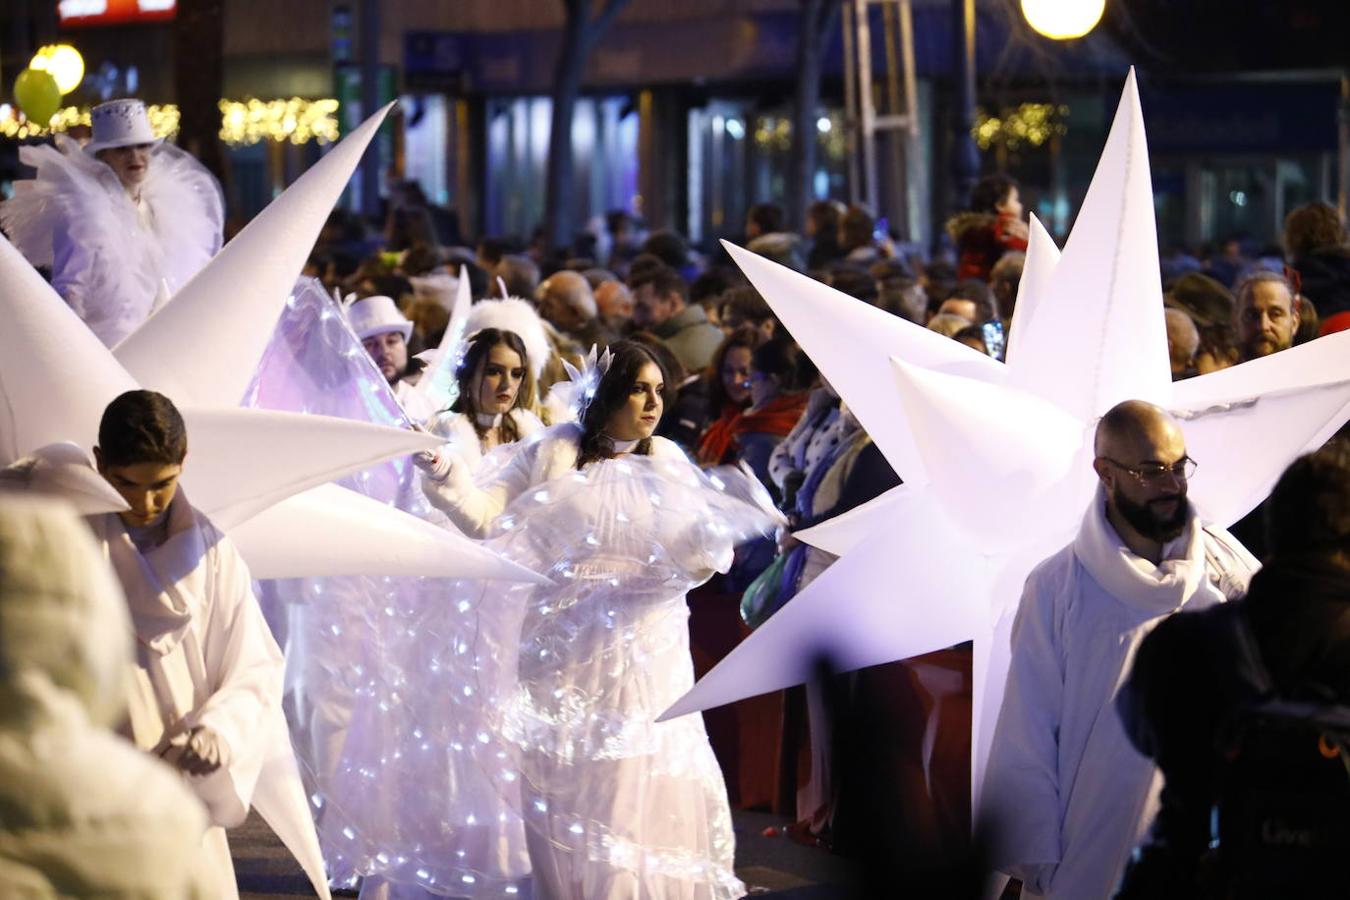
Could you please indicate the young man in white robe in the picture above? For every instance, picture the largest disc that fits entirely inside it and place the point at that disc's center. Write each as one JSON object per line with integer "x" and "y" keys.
{"x": 205, "y": 694}
{"x": 1067, "y": 797}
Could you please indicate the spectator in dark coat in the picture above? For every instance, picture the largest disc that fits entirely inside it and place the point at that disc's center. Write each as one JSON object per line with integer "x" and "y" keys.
{"x": 1318, "y": 250}
{"x": 1191, "y": 674}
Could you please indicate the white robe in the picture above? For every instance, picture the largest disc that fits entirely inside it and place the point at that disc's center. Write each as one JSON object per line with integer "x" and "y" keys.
{"x": 1067, "y": 798}
{"x": 205, "y": 657}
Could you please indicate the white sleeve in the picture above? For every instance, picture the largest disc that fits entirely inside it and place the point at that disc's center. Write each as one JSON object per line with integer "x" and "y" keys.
{"x": 473, "y": 507}
{"x": 244, "y": 669}
{"x": 1021, "y": 795}
{"x": 72, "y": 266}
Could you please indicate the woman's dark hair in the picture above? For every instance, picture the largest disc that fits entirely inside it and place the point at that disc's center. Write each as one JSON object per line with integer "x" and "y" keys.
{"x": 745, "y": 306}
{"x": 421, "y": 258}
{"x": 628, "y": 358}
{"x": 777, "y": 357}
{"x": 747, "y": 336}
{"x": 670, "y": 363}
{"x": 475, "y": 358}
{"x": 855, "y": 228}
{"x": 142, "y": 427}
{"x": 989, "y": 192}
{"x": 768, "y": 217}
{"x": 825, "y": 213}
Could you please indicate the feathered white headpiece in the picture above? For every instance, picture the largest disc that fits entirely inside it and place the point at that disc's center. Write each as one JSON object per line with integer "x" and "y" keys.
{"x": 515, "y": 314}
{"x": 584, "y": 382}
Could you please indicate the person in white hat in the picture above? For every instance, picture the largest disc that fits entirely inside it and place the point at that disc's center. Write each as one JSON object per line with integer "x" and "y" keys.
{"x": 122, "y": 222}
{"x": 384, "y": 332}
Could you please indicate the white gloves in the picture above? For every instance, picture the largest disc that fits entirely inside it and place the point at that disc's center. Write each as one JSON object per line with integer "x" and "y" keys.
{"x": 199, "y": 752}
{"x": 434, "y": 464}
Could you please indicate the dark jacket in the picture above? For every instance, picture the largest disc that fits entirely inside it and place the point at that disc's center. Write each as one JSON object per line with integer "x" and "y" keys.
{"x": 691, "y": 337}
{"x": 685, "y": 420}
{"x": 1325, "y": 280}
{"x": 1188, "y": 679}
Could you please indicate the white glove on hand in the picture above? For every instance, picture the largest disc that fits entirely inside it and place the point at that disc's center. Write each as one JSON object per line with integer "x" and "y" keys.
{"x": 434, "y": 464}
{"x": 203, "y": 752}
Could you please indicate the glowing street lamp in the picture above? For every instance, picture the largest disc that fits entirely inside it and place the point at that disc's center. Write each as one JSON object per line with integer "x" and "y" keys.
{"x": 63, "y": 62}
{"x": 1063, "y": 20}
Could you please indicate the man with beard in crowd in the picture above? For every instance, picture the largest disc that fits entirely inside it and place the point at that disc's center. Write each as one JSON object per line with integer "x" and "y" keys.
{"x": 1067, "y": 797}
{"x": 1266, "y": 315}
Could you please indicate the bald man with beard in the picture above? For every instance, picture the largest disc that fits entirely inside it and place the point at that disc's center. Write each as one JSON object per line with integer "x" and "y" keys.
{"x": 1067, "y": 796}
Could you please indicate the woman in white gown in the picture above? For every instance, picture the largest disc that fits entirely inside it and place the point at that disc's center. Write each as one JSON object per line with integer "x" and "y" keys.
{"x": 378, "y": 664}
{"x": 617, "y": 806}
{"x": 496, "y": 393}
{"x": 444, "y": 824}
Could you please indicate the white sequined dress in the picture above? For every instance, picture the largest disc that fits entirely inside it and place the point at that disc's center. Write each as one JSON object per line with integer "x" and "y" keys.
{"x": 617, "y": 806}
{"x": 388, "y": 737}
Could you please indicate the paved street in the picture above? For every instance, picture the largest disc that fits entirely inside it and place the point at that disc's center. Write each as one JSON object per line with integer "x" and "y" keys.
{"x": 770, "y": 866}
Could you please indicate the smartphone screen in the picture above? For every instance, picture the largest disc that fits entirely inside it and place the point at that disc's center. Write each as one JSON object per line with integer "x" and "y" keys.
{"x": 993, "y": 338}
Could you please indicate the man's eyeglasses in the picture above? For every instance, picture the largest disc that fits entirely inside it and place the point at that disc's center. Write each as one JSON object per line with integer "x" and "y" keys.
{"x": 1182, "y": 470}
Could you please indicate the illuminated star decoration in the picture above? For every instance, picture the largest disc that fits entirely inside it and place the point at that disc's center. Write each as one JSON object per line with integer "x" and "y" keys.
{"x": 245, "y": 467}
{"x": 997, "y": 458}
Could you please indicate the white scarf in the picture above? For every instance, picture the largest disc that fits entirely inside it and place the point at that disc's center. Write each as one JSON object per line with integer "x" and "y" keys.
{"x": 160, "y": 609}
{"x": 1134, "y": 580}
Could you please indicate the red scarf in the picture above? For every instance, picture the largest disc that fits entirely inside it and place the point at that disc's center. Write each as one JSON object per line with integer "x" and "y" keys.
{"x": 777, "y": 418}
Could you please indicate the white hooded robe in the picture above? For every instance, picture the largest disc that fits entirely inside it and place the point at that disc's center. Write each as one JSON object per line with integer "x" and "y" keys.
{"x": 1067, "y": 797}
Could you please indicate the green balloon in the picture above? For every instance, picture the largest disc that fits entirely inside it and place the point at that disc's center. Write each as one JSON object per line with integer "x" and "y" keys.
{"x": 37, "y": 95}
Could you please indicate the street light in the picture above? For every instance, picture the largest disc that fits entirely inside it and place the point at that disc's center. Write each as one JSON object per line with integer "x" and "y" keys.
{"x": 1063, "y": 20}
{"x": 63, "y": 62}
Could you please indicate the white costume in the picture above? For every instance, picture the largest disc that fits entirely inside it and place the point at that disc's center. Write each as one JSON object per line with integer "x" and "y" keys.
{"x": 85, "y": 813}
{"x": 1068, "y": 798}
{"x": 418, "y": 406}
{"x": 462, "y": 439}
{"x": 615, "y": 804}
{"x": 108, "y": 254}
{"x": 373, "y": 677}
{"x": 206, "y": 657}
{"x": 445, "y": 823}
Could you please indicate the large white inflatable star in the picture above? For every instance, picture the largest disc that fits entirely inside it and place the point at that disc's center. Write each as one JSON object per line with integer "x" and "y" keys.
{"x": 997, "y": 458}
{"x": 260, "y": 475}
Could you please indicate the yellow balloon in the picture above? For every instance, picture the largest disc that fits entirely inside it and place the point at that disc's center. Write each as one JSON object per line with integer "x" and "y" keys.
{"x": 64, "y": 63}
{"x": 37, "y": 95}
{"x": 1063, "y": 19}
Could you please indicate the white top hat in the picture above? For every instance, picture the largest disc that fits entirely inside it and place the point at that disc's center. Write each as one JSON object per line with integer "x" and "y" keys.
{"x": 120, "y": 123}
{"x": 377, "y": 315}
